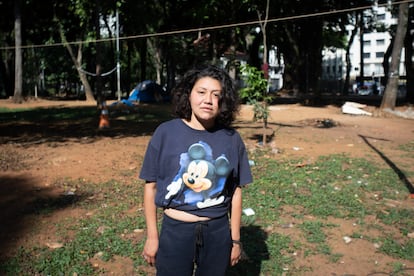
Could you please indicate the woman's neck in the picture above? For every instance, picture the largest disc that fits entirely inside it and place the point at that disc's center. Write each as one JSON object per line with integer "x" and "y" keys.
{"x": 199, "y": 125}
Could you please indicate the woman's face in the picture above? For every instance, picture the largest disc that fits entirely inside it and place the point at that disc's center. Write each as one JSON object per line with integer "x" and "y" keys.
{"x": 204, "y": 100}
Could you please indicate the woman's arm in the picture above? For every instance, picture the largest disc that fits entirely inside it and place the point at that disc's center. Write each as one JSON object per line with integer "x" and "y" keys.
{"x": 150, "y": 212}
{"x": 235, "y": 222}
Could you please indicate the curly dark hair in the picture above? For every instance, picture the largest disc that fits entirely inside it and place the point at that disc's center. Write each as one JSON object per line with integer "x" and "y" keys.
{"x": 229, "y": 102}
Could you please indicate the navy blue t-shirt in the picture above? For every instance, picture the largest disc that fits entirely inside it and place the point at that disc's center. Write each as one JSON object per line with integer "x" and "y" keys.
{"x": 195, "y": 171}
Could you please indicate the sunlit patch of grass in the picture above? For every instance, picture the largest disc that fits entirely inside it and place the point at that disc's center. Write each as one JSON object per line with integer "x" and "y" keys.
{"x": 398, "y": 249}
{"x": 313, "y": 231}
{"x": 408, "y": 149}
{"x": 398, "y": 218}
{"x": 332, "y": 186}
{"x": 335, "y": 185}
{"x": 316, "y": 187}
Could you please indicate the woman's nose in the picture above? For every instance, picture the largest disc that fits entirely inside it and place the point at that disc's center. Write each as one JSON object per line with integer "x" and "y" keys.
{"x": 208, "y": 97}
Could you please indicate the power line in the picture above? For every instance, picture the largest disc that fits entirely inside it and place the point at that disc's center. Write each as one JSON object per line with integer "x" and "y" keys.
{"x": 225, "y": 26}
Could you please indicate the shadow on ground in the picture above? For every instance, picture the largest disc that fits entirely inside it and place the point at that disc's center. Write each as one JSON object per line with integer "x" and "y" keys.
{"x": 255, "y": 249}
{"x": 21, "y": 198}
{"x": 60, "y": 124}
{"x": 393, "y": 166}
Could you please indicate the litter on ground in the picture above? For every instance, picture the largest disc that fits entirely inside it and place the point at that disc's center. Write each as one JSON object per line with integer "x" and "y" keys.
{"x": 355, "y": 109}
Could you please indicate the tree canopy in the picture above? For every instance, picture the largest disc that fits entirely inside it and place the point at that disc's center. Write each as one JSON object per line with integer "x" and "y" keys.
{"x": 71, "y": 46}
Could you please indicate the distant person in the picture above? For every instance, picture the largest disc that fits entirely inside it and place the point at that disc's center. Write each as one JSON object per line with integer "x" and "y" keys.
{"x": 194, "y": 168}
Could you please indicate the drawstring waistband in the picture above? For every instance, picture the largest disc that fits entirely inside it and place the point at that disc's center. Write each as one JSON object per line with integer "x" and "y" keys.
{"x": 199, "y": 242}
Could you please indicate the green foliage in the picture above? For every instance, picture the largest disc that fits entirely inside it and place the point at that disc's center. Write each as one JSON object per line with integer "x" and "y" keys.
{"x": 256, "y": 84}
{"x": 255, "y": 92}
{"x": 301, "y": 43}
{"x": 333, "y": 38}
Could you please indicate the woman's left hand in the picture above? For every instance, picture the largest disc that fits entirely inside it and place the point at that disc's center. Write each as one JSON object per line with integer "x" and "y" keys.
{"x": 236, "y": 253}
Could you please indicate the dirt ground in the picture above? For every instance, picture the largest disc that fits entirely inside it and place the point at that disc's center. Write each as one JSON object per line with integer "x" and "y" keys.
{"x": 297, "y": 131}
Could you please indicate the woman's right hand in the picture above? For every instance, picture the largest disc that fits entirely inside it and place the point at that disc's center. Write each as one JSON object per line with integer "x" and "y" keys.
{"x": 150, "y": 251}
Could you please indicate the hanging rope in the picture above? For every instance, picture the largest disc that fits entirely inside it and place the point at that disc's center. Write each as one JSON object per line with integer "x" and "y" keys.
{"x": 95, "y": 75}
{"x": 183, "y": 31}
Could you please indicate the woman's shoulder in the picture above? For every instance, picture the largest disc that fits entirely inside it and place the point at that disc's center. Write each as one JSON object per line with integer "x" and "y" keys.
{"x": 176, "y": 122}
{"x": 230, "y": 131}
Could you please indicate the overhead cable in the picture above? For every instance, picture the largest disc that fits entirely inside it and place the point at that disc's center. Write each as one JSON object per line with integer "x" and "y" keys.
{"x": 224, "y": 26}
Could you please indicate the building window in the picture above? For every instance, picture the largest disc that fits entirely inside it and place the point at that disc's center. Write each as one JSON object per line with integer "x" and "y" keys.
{"x": 367, "y": 55}
{"x": 379, "y": 70}
{"x": 380, "y": 42}
{"x": 367, "y": 42}
{"x": 381, "y": 16}
{"x": 379, "y": 54}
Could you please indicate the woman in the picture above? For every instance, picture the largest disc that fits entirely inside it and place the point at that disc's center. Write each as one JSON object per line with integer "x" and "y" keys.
{"x": 194, "y": 168}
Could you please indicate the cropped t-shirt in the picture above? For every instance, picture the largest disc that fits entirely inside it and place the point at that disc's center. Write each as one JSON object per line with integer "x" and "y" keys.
{"x": 195, "y": 171}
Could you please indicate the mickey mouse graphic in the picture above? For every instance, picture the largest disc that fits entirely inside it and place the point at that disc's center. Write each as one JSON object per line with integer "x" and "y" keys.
{"x": 200, "y": 179}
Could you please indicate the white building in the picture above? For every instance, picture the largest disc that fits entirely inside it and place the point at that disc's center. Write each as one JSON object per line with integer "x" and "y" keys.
{"x": 276, "y": 70}
{"x": 375, "y": 45}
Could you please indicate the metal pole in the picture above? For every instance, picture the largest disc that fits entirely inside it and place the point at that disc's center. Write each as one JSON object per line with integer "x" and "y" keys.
{"x": 118, "y": 66}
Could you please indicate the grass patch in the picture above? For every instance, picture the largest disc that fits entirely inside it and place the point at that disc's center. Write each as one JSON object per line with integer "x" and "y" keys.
{"x": 398, "y": 249}
{"x": 408, "y": 149}
{"x": 398, "y": 218}
{"x": 333, "y": 186}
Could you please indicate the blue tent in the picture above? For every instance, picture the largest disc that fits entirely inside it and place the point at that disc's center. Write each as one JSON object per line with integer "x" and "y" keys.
{"x": 148, "y": 91}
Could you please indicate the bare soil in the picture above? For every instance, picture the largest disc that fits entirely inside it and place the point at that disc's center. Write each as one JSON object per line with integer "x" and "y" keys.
{"x": 56, "y": 153}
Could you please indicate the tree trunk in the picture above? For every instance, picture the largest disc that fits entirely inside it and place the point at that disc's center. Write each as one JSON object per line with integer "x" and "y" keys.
{"x": 98, "y": 67}
{"x": 265, "y": 66}
{"x": 155, "y": 57}
{"x": 77, "y": 61}
{"x": 361, "y": 47}
{"x": 263, "y": 24}
{"x": 409, "y": 64}
{"x": 390, "y": 95}
{"x": 128, "y": 82}
{"x": 345, "y": 89}
{"x": 18, "y": 66}
{"x": 6, "y": 74}
{"x": 82, "y": 76}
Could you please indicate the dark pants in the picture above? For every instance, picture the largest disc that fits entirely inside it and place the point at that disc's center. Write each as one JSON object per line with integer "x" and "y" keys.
{"x": 183, "y": 246}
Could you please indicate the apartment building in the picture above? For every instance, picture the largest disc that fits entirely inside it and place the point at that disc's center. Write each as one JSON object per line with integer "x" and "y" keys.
{"x": 374, "y": 45}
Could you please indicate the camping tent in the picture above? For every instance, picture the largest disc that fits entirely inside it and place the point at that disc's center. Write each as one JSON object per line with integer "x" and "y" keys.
{"x": 148, "y": 91}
